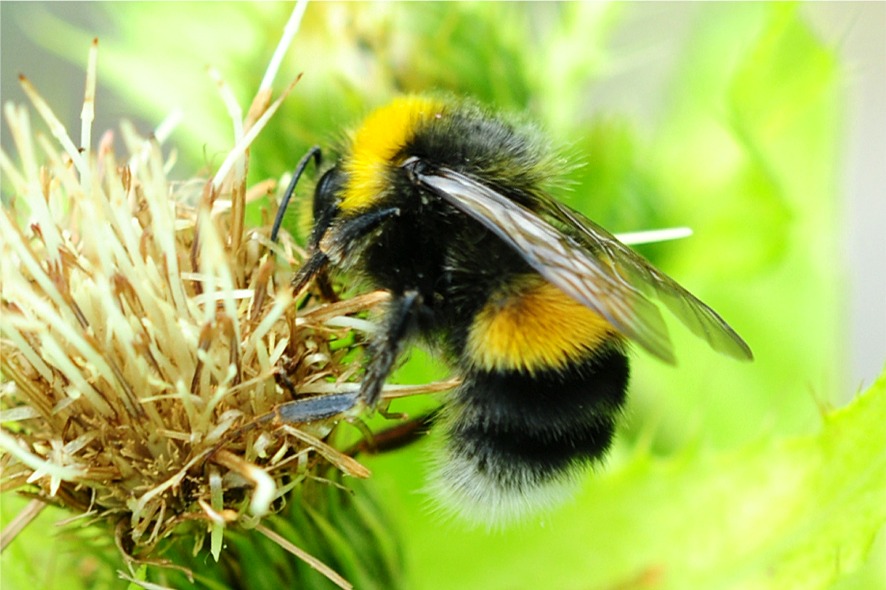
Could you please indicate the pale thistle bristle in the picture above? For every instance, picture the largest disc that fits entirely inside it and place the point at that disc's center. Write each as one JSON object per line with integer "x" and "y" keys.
{"x": 143, "y": 328}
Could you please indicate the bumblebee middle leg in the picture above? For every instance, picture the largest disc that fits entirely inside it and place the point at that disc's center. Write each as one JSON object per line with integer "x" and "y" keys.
{"x": 384, "y": 349}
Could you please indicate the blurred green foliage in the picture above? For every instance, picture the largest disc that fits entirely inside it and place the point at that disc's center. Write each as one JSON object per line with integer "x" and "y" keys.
{"x": 724, "y": 475}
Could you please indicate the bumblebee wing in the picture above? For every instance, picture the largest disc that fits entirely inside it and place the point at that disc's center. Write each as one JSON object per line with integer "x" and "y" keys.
{"x": 632, "y": 268}
{"x": 589, "y": 264}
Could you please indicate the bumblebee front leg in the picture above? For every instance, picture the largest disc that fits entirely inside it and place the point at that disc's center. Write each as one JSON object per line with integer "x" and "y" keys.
{"x": 387, "y": 344}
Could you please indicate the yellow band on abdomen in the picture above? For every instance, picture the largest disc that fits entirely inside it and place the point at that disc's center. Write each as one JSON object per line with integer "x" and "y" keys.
{"x": 534, "y": 326}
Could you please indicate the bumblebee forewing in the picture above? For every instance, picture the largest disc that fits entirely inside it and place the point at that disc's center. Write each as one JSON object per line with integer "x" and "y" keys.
{"x": 589, "y": 264}
{"x": 555, "y": 256}
{"x": 701, "y": 320}
{"x": 632, "y": 268}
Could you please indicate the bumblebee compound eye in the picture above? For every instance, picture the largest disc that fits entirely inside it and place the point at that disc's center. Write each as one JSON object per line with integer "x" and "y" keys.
{"x": 327, "y": 191}
{"x": 325, "y": 204}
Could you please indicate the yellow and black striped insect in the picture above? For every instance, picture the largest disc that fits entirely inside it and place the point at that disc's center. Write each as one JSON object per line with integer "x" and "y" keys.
{"x": 449, "y": 207}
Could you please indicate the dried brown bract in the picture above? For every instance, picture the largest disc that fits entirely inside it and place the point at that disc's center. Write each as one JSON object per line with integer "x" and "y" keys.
{"x": 148, "y": 338}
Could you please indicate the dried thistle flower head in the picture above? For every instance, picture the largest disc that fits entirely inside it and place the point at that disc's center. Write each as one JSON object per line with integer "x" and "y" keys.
{"x": 148, "y": 338}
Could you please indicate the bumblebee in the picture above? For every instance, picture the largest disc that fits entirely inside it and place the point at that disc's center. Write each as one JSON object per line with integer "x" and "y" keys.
{"x": 449, "y": 208}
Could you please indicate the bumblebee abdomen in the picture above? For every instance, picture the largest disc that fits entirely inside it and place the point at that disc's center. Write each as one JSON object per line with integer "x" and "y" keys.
{"x": 544, "y": 380}
{"x": 514, "y": 440}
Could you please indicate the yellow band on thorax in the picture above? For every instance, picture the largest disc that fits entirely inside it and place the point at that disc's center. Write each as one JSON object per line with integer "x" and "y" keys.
{"x": 376, "y": 142}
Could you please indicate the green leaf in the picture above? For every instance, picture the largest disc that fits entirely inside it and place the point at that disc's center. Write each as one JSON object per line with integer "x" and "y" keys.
{"x": 777, "y": 514}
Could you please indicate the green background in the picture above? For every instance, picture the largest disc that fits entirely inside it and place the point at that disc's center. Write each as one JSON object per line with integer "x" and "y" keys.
{"x": 724, "y": 474}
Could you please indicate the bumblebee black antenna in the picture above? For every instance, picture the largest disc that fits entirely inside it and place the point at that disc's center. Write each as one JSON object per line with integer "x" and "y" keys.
{"x": 314, "y": 152}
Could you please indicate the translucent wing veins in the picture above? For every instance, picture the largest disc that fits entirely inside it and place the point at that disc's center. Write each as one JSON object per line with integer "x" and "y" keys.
{"x": 589, "y": 264}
